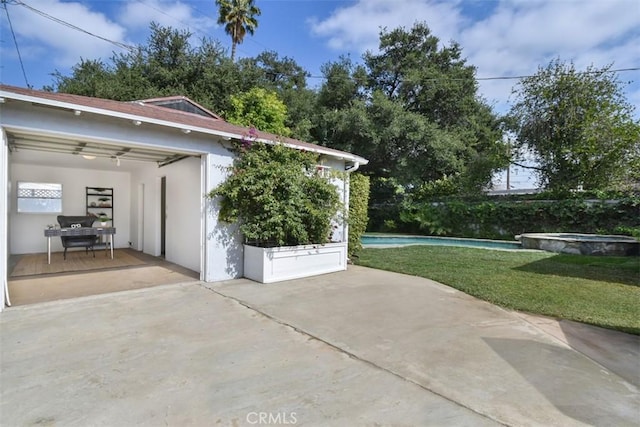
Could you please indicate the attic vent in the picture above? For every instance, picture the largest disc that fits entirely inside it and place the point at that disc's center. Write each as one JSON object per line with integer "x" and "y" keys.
{"x": 182, "y": 105}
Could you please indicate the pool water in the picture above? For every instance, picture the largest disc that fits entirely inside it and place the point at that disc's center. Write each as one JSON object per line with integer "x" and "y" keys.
{"x": 382, "y": 241}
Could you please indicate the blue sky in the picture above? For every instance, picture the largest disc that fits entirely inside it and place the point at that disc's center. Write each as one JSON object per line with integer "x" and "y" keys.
{"x": 499, "y": 37}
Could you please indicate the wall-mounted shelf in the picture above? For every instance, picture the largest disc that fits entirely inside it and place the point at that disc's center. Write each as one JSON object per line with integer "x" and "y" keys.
{"x": 100, "y": 203}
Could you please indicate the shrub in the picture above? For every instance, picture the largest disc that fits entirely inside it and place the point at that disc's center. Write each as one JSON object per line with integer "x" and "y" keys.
{"x": 278, "y": 196}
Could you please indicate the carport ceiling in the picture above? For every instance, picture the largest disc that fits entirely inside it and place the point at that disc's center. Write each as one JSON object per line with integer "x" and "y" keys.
{"x": 19, "y": 142}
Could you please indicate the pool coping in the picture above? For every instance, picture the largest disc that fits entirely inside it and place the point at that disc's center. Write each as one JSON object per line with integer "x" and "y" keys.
{"x": 461, "y": 239}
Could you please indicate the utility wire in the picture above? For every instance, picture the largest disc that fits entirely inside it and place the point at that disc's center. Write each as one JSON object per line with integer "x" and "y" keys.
{"x": 15, "y": 40}
{"x": 618, "y": 70}
{"x": 133, "y": 49}
{"x": 434, "y": 79}
{"x": 144, "y": 3}
{"x": 66, "y": 24}
{"x": 578, "y": 72}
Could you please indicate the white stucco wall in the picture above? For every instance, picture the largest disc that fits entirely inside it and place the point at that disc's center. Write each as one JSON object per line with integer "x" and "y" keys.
{"x": 224, "y": 253}
{"x": 341, "y": 181}
{"x": 147, "y": 175}
{"x": 27, "y": 228}
{"x": 183, "y": 211}
{"x": 183, "y": 217}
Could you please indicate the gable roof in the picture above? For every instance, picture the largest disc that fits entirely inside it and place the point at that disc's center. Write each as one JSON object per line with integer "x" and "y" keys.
{"x": 150, "y": 111}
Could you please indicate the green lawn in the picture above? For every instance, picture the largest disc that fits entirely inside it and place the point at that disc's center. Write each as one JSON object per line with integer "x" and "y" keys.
{"x": 602, "y": 291}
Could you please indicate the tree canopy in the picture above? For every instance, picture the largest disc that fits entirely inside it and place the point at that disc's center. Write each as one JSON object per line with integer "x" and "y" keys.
{"x": 260, "y": 109}
{"x": 578, "y": 126}
{"x": 413, "y": 110}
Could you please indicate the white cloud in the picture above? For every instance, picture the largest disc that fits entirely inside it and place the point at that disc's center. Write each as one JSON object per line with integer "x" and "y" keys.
{"x": 519, "y": 37}
{"x": 40, "y": 37}
{"x": 514, "y": 38}
{"x": 175, "y": 14}
{"x": 65, "y": 46}
{"x": 357, "y": 27}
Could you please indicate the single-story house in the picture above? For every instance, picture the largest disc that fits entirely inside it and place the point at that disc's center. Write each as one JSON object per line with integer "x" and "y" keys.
{"x": 157, "y": 158}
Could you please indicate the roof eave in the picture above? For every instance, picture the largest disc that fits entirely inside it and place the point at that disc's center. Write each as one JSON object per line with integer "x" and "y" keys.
{"x": 182, "y": 127}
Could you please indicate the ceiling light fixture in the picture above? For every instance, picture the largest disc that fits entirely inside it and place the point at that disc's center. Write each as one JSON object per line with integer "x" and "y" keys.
{"x": 88, "y": 157}
{"x": 186, "y": 131}
{"x": 136, "y": 122}
{"x": 77, "y": 112}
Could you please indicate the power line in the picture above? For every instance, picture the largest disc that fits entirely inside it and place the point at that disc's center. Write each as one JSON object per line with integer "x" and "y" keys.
{"x": 133, "y": 49}
{"x": 24, "y": 73}
{"x": 579, "y": 72}
{"x": 74, "y": 27}
{"x": 142, "y": 2}
{"x": 618, "y": 70}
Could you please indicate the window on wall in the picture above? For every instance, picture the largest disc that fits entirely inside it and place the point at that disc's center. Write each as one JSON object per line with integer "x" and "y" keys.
{"x": 39, "y": 197}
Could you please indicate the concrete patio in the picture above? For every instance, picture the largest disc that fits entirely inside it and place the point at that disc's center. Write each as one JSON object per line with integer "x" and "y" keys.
{"x": 362, "y": 347}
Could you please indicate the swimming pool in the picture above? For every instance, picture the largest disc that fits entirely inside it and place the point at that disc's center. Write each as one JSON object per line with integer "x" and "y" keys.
{"x": 379, "y": 241}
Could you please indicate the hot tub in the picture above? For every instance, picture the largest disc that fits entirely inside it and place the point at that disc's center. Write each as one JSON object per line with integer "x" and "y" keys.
{"x": 583, "y": 244}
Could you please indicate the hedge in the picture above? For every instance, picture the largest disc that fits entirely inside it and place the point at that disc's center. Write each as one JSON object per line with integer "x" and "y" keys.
{"x": 503, "y": 219}
{"x": 358, "y": 210}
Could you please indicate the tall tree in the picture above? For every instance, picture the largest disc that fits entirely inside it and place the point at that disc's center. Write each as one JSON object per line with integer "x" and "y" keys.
{"x": 166, "y": 65}
{"x": 578, "y": 125}
{"x": 344, "y": 83}
{"x": 414, "y": 68}
{"x": 239, "y": 18}
{"x": 413, "y": 111}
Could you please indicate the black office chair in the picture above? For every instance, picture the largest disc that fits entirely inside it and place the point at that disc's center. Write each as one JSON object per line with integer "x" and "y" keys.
{"x": 86, "y": 242}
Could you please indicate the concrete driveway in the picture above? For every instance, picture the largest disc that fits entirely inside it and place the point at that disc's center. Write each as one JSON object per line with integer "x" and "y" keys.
{"x": 362, "y": 347}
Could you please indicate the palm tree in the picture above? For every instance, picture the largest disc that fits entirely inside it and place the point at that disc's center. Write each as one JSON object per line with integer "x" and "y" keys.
{"x": 238, "y": 17}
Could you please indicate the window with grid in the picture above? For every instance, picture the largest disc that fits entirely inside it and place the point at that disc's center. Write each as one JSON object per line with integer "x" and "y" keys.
{"x": 39, "y": 197}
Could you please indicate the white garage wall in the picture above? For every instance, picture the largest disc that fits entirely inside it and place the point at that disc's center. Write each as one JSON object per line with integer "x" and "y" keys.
{"x": 27, "y": 230}
{"x": 223, "y": 241}
{"x": 184, "y": 206}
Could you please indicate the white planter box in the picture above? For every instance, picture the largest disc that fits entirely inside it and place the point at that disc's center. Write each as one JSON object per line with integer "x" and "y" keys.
{"x": 268, "y": 265}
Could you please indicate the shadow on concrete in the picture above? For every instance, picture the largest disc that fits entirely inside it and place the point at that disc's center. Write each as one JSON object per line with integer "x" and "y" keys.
{"x": 617, "y": 351}
{"x": 622, "y": 270}
{"x": 566, "y": 379}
